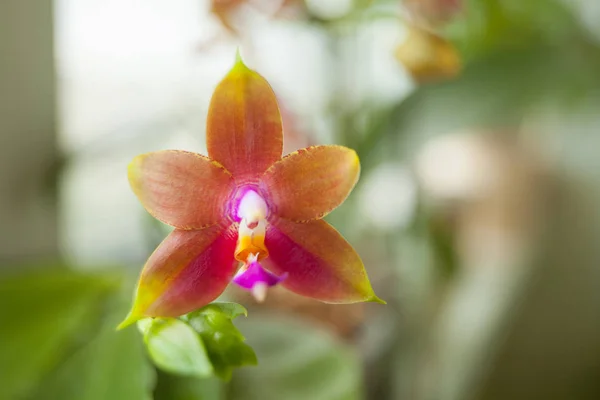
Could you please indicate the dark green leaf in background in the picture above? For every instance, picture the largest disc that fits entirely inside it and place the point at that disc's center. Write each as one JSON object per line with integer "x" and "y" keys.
{"x": 110, "y": 365}
{"x": 173, "y": 387}
{"x": 41, "y": 314}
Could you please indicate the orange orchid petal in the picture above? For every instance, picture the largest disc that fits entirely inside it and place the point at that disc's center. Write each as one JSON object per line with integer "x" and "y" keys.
{"x": 311, "y": 182}
{"x": 243, "y": 130}
{"x": 187, "y": 271}
{"x": 182, "y": 189}
{"x": 319, "y": 262}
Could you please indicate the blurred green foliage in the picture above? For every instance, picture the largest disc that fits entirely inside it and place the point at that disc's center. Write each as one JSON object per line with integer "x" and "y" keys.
{"x": 59, "y": 340}
{"x": 44, "y": 311}
{"x": 61, "y": 343}
{"x": 296, "y": 361}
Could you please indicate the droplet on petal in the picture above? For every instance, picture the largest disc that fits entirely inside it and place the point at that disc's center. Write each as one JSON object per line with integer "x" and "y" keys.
{"x": 253, "y": 277}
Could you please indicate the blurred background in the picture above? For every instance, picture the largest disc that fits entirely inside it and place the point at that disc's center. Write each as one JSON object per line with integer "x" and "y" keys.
{"x": 477, "y": 214}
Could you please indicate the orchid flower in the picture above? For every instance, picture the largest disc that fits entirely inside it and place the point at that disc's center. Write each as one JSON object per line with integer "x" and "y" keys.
{"x": 243, "y": 201}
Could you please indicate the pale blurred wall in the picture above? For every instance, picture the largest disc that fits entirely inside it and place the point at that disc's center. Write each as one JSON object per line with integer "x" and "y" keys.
{"x": 27, "y": 131}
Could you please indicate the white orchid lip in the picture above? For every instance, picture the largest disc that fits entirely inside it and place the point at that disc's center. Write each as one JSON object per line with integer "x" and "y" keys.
{"x": 252, "y": 208}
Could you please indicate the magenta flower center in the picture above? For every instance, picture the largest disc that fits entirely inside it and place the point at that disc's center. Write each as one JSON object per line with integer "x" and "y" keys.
{"x": 248, "y": 203}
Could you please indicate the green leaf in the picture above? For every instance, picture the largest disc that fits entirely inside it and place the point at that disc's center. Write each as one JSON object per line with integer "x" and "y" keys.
{"x": 297, "y": 362}
{"x": 42, "y": 312}
{"x": 213, "y": 320}
{"x": 224, "y": 342}
{"x": 227, "y": 355}
{"x": 175, "y": 347}
{"x": 200, "y": 344}
{"x": 232, "y": 310}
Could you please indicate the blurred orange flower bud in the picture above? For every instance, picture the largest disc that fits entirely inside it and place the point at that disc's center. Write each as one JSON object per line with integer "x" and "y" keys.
{"x": 428, "y": 56}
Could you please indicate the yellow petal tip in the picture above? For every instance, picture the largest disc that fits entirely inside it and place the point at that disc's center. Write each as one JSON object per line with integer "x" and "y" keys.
{"x": 355, "y": 158}
{"x": 239, "y": 62}
{"x": 129, "y": 319}
{"x": 376, "y": 299}
{"x": 133, "y": 169}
